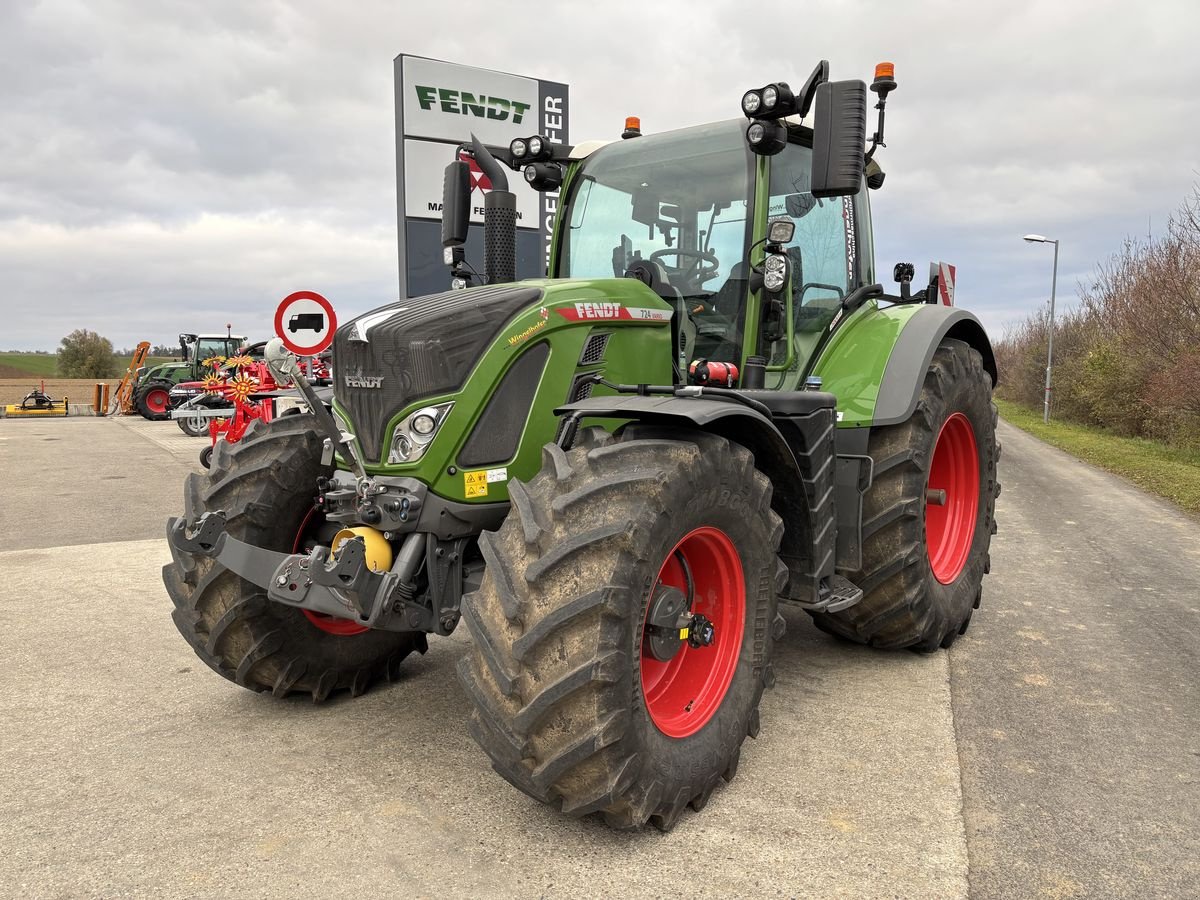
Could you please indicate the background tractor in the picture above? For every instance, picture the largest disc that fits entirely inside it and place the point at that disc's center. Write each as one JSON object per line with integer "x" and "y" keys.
{"x": 614, "y": 474}
{"x": 152, "y": 392}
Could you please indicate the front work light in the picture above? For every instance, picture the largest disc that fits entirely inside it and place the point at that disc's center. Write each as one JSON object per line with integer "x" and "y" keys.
{"x": 530, "y": 149}
{"x": 766, "y": 138}
{"x": 781, "y": 231}
{"x": 543, "y": 176}
{"x": 774, "y": 101}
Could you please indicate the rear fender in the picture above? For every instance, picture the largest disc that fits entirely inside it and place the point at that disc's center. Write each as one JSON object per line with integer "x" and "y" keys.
{"x": 913, "y": 352}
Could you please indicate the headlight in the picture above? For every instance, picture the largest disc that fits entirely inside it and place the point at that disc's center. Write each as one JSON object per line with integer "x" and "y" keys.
{"x": 770, "y": 96}
{"x": 518, "y": 149}
{"x": 751, "y": 101}
{"x": 775, "y": 272}
{"x": 415, "y": 432}
{"x": 423, "y": 423}
{"x": 535, "y": 146}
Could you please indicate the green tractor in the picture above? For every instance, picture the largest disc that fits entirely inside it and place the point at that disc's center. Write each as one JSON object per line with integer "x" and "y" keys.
{"x": 152, "y": 394}
{"x": 616, "y": 473}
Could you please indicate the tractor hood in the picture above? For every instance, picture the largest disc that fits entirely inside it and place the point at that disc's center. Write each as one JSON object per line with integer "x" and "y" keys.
{"x": 415, "y": 348}
{"x": 467, "y": 345}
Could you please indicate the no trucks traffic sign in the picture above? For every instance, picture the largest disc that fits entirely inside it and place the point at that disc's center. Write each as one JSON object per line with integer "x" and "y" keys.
{"x": 305, "y": 322}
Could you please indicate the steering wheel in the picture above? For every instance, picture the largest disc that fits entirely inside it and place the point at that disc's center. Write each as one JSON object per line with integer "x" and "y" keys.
{"x": 703, "y": 267}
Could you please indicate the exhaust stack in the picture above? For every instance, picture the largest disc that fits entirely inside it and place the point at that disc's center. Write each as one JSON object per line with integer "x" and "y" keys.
{"x": 499, "y": 219}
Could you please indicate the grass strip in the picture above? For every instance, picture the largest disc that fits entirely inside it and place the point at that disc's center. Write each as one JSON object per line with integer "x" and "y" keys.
{"x": 1170, "y": 472}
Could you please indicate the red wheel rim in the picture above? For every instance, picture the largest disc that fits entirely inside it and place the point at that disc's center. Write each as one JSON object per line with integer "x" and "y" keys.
{"x": 157, "y": 400}
{"x": 329, "y": 624}
{"x": 683, "y": 693}
{"x": 950, "y": 527}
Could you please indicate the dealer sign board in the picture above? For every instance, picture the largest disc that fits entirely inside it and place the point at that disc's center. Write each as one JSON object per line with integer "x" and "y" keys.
{"x": 439, "y": 105}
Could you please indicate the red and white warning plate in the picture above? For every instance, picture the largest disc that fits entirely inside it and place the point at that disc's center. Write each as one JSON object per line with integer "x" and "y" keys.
{"x": 305, "y": 321}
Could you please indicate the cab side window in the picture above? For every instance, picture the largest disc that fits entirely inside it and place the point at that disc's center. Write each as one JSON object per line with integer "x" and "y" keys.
{"x": 822, "y": 251}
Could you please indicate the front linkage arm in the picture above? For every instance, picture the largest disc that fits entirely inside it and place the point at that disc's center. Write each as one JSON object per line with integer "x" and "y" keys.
{"x": 343, "y": 586}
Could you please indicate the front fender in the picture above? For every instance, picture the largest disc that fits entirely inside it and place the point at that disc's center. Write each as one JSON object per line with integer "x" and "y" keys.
{"x": 803, "y": 486}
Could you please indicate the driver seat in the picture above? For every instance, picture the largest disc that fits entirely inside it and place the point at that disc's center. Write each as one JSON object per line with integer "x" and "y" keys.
{"x": 683, "y": 329}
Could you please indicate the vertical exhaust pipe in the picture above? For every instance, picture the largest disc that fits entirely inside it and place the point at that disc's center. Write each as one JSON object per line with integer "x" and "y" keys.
{"x": 499, "y": 219}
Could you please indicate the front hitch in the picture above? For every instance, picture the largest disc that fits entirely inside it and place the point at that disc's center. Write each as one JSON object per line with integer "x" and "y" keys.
{"x": 342, "y": 585}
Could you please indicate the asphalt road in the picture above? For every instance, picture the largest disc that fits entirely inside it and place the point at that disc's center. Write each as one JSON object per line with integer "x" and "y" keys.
{"x": 1077, "y": 696}
{"x": 1052, "y": 752}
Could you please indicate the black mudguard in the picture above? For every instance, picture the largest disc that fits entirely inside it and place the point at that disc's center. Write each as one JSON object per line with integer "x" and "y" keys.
{"x": 795, "y": 450}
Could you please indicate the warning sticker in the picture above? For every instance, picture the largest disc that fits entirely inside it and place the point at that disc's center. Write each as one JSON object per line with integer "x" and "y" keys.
{"x": 475, "y": 484}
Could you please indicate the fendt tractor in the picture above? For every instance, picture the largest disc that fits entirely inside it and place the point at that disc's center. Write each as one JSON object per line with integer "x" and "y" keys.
{"x": 152, "y": 393}
{"x": 615, "y": 473}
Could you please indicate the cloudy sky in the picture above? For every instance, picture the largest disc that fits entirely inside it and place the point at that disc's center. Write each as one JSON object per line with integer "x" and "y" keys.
{"x": 169, "y": 166}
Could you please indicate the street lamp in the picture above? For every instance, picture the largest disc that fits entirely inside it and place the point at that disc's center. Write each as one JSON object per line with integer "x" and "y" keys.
{"x": 1039, "y": 239}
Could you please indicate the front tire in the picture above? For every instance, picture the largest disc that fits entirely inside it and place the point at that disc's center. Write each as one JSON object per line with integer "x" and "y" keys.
{"x": 568, "y": 702}
{"x": 923, "y": 561}
{"x": 265, "y": 485}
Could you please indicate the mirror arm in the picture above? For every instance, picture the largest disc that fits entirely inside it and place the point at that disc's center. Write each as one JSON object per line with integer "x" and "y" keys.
{"x": 877, "y": 137}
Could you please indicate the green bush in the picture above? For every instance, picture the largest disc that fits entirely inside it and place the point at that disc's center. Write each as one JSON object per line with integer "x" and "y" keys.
{"x": 85, "y": 354}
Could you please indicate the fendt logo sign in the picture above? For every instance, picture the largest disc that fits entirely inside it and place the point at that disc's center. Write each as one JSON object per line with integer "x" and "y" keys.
{"x": 363, "y": 381}
{"x": 439, "y": 105}
{"x": 455, "y": 102}
{"x": 446, "y": 102}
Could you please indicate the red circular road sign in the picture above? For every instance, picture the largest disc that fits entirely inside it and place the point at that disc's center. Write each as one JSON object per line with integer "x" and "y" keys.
{"x": 305, "y": 322}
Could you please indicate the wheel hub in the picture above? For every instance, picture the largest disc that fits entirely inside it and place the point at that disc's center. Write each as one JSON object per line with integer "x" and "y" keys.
{"x": 952, "y": 499}
{"x": 692, "y": 634}
{"x": 667, "y": 620}
{"x": 670, "y": 624}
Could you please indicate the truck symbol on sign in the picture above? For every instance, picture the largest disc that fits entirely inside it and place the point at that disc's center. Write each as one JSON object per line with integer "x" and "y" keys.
{"x": 307, "y": 322}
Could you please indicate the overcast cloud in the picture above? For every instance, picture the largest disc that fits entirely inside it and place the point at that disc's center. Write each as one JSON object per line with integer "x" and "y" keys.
{"x": 169, "y": 166}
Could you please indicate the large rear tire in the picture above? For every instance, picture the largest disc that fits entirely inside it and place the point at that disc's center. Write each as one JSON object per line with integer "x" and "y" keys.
{"x": 265, "y": 484}
{"x": 153, "y": 399}
{"x": 923, "y": 562}
{"x": 569, "y": 702}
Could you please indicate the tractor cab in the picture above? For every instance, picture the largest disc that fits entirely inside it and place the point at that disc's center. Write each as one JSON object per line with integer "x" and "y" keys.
{"x": 690, "y": 211}
{"x": 196, "y": 348}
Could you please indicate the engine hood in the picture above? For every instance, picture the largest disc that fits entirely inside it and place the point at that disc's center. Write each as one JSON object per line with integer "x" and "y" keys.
{"x": 415, "y": 348}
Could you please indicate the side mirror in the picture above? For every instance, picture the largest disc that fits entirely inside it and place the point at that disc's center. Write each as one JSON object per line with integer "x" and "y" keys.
{"x": 646, "y": 206}
{"x": 839, "y": 138}
{"x": 456, "y": 203}
{"x": 282, "y": 362}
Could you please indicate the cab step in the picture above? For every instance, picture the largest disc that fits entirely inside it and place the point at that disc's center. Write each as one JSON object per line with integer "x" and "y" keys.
{"x": 834, "y": 594}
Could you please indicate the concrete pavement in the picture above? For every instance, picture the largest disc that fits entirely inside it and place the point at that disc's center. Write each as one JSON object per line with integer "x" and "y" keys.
{"x": 131, "y": 769}
{"x": 1052, "y": 752}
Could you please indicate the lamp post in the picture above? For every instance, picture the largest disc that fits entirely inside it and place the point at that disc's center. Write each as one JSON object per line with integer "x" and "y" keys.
{"x": 1039, "y": 239}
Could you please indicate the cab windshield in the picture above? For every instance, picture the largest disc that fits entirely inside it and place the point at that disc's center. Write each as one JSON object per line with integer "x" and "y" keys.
{"x": 678, "y": 199}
